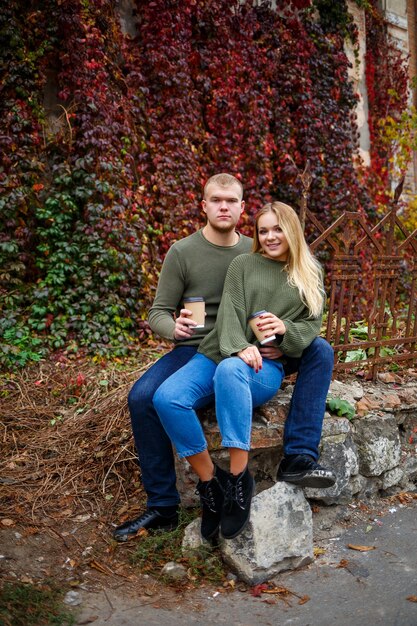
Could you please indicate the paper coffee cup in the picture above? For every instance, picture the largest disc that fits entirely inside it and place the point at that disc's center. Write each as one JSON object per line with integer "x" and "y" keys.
{"x": 197, "y": 306}
{"x": 259, "y": 334}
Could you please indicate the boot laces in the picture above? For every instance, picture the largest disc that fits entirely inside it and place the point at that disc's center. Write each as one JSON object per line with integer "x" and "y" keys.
{"x": 207, "y": 498}
{"x": 234, "y": 494}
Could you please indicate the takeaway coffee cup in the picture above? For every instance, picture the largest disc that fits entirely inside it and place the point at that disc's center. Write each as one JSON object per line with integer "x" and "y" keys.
{"x": 260, "y": 334}
{"x": 197, "y": 306}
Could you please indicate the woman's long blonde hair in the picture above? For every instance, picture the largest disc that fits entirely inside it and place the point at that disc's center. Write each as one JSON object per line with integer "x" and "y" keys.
{"x": 304, "y": 271}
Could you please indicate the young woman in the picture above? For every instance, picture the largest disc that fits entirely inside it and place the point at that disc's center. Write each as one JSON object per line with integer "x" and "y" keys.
{"x": 283, "y": 278}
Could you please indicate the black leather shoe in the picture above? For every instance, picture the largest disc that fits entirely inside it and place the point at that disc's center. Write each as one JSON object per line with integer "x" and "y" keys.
{"x": 304, "y": 471}
{"x": 150, "y": 519}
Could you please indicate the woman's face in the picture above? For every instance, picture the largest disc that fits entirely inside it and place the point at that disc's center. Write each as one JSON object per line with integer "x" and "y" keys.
{"x": 273, "y": 242}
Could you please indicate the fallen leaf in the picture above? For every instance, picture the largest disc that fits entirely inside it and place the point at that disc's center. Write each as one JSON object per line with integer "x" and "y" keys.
{"x": 257, "y": 590}
{"x": 279, "y": 590}
{"x": 7, "y": 522}
{"x": 26, "y": 579}
{"x": 412, "y": 598}
{"x": 343, "y": 563}
{"x": 386, "y": 377}
{"x": 361, "y": 548}
{"x": 82, "y": 518}
{"x": 99, "y": 567}
{"x": 404, "y": 497}
{"x": 304, "y": 599}
{"x": 149, "y": 592}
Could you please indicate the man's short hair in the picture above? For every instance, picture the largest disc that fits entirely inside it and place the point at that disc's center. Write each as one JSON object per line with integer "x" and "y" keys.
{"x": 223, "y": 180}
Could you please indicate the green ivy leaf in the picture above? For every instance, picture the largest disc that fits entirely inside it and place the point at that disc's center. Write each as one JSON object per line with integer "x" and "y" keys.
{"x": 342, "y": 408}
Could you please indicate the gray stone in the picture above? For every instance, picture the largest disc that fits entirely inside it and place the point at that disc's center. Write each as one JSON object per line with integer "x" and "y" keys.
{"x": 378, "y": 444}
{"x": 358, "y": 484}
{"x": 73, "y": 598}
{"x": 333, "y": 425}
{"x": 351, "y": 392}
{"x": 192, "y": 539}
{"x": 391, "y": 477}
{"x": 410, "y": 466}
{"x": 341, "y": 457}
{"x": 186, "y": 482}
{"x": 279, "y": 535}
{"x": 173, "y": 570}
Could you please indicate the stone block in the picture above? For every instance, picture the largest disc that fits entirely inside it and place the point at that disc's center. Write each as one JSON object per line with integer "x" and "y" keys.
{"x": 338, "y": 453}
{"x": 378, "y": 444}
{"x": 391, "y": 478}
{"x": 351, "y": 392}
{"x": 279, "y": 536}
{"x": 409, "y": 466}
{"x": 193, "y": 539}
{"x": 333, "y": 426}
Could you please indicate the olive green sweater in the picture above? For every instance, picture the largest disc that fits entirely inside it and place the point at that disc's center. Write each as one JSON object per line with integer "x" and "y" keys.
{"x": 192, "y": 267}
{"x": 253, "y": 283}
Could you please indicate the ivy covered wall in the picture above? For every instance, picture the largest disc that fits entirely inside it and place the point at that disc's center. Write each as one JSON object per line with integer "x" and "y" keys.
{"x": 107, "y": 135}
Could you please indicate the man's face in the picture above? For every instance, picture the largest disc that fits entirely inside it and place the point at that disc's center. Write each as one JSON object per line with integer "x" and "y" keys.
{"x": 223, "y": 206}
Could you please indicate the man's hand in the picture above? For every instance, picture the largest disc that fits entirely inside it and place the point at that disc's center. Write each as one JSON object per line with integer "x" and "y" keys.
{"x": 184, "y": 327}
{"x": 270, "y": 352}
{"x": 252, "y": 357}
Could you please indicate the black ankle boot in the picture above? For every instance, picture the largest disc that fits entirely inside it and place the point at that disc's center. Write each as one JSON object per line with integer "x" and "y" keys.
{"x": 237, "y": 501}
{"x": 211, "y": 498}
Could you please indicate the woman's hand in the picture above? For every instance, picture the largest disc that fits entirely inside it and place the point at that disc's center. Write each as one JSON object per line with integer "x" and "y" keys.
{"x": 184, "y": 327}
{"x": 252, "y": 357}
{"x": 271, "y": 323}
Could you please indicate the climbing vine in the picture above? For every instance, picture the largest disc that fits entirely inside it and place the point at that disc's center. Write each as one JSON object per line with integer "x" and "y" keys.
{"x": 108, "y": 135}
{"x": 387, "y": 89}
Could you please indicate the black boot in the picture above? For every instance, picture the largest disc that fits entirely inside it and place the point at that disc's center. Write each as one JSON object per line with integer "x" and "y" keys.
{"x": 212, "y": 497}
{"x": 237, "y": 501}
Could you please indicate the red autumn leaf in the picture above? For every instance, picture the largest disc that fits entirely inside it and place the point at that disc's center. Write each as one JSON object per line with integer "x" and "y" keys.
{"x": 257, "y": 590}
{"x": 80, "y": 380}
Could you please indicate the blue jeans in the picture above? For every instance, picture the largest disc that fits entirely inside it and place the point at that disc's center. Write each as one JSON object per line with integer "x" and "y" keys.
{"x": 236, "y": 388}
{"x": 304, "y": 423}
{"x": 154, "y": 446}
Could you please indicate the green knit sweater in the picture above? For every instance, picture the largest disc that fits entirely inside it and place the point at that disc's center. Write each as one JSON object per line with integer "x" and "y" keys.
{"x": 192, "y": 267}
{"x": 253, "y": 283}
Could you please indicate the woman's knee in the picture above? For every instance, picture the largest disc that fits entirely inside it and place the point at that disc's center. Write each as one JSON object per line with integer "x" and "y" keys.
{"x": 230, "y": 367}
{"x": 163, "y": 398}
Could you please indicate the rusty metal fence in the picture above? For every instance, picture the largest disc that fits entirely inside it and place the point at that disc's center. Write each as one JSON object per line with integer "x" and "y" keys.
{"x": 372, "y": 293}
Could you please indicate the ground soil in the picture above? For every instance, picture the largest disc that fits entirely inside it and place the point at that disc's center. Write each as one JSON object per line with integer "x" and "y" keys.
{"x": 68, "y": 475}
{"x": 79, "y": 554}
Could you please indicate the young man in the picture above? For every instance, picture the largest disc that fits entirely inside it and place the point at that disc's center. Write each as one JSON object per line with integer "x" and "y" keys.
{"x": 197, "y": 266}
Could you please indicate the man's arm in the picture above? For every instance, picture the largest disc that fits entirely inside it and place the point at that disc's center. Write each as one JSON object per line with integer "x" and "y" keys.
{"x": 168, "y": 298}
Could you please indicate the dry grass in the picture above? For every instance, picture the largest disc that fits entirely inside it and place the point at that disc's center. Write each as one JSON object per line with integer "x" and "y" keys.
{"x": 66, "y": 443}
